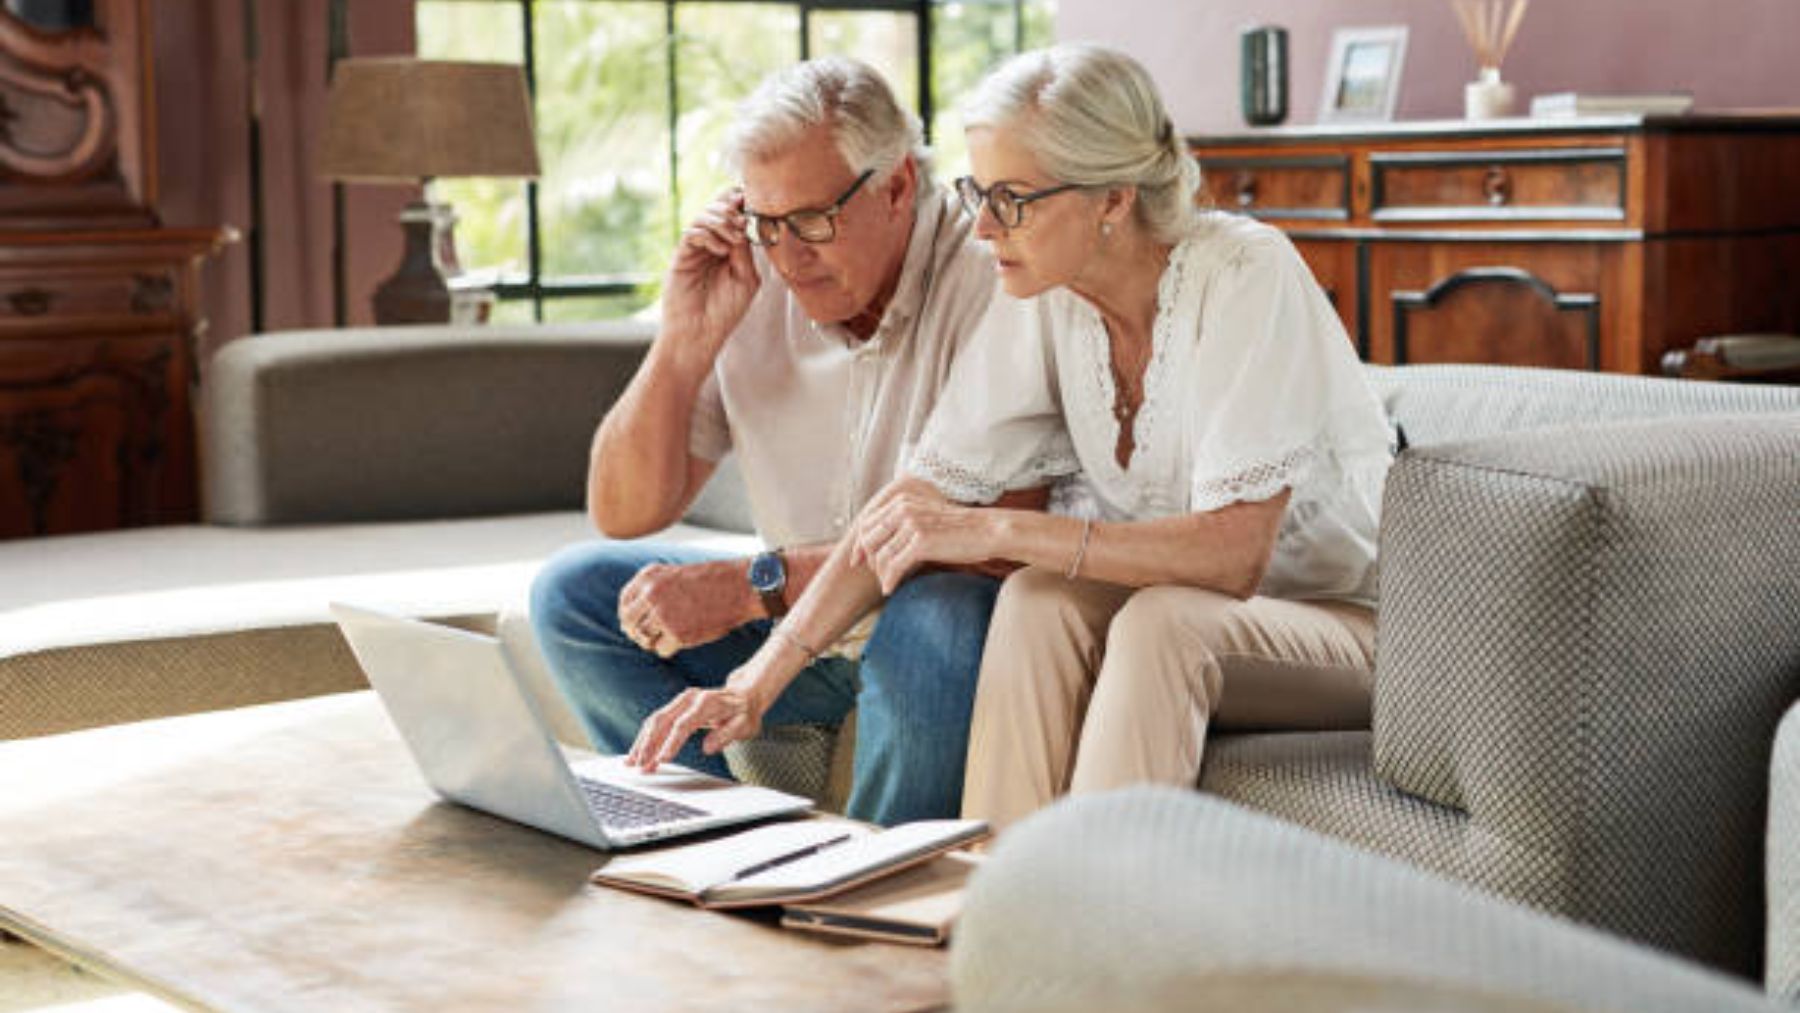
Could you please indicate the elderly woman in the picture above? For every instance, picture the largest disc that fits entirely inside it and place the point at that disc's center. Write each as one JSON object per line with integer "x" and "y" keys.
{"x": 1210, "y": 553}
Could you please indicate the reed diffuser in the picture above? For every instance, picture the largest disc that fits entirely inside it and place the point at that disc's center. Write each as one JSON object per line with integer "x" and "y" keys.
{"x": 1489, "y": 25}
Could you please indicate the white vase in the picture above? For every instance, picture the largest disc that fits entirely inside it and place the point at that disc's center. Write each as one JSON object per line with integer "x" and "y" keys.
{"x": 1487, "y": 97}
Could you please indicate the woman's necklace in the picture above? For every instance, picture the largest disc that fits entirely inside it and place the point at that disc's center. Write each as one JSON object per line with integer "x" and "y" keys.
{"x": 1128, "y": 397}
{"x": 1128, "y": 384}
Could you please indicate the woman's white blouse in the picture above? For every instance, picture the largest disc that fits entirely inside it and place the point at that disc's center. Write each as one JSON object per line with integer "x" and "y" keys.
{"x": 1252, "y": 388}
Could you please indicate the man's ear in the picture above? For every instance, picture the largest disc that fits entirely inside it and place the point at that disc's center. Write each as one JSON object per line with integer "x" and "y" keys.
{"x": 902, "y": 186}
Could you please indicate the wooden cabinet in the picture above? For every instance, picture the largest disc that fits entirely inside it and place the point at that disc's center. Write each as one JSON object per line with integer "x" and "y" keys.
{"x": 97, "y": 318}
{"x": 1586, "y": 244}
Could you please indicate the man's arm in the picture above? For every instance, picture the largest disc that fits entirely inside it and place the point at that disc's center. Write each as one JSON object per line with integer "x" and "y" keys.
{"x": 641, "y": 476}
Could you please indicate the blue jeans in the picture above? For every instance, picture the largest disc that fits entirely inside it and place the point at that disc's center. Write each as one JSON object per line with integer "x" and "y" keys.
{"x": 913, "y": 690}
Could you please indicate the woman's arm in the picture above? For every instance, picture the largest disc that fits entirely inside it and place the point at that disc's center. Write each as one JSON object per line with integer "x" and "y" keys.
{"x": 842, "y": 592}
{"x": 1226, "y": 550}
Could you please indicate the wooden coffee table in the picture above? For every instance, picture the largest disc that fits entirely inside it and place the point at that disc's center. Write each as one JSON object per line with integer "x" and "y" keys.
{"x": 291, "y": 857}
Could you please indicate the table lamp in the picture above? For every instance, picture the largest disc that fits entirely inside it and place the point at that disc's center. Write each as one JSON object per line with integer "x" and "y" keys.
{"x": 403, "y": 120}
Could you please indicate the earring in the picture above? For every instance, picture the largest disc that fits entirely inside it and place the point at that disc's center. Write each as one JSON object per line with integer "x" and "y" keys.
{"x": 1106, "y": 228}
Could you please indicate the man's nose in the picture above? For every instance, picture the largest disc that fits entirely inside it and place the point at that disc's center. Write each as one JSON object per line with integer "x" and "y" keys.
{"x": 791, "y": 253}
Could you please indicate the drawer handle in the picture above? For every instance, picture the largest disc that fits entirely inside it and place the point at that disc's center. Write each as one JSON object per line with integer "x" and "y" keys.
{"x": 1497, "y": 186}
{"x": 1246, "y": 189}
{"x": 30, "y": 302}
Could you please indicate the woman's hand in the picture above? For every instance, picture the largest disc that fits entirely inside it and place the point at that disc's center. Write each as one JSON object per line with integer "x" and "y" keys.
{"x": 910, "y": 524}
{"x": 728, "y": 714}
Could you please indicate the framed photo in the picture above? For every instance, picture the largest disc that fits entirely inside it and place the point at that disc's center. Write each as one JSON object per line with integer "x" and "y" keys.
{"x": 1362, "y": 81}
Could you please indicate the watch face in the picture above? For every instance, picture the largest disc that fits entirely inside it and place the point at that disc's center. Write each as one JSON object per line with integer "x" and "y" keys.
{"x": 767, "y": 573}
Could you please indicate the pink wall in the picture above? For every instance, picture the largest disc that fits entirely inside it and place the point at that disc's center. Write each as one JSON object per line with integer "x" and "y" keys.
{"x": 203, "y": 157}
{"x": 1728, "y": 53}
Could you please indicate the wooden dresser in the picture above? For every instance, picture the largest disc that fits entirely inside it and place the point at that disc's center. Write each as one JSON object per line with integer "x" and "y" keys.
{"x": 1585, "y": 244}
{"x": 97, "y": 299}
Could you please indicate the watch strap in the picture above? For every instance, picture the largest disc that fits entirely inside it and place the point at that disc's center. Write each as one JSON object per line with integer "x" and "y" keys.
{"x": 775, "y": 601}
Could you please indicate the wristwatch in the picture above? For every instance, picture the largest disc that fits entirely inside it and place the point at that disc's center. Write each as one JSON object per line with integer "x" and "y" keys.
{"x": 768, "y": 578}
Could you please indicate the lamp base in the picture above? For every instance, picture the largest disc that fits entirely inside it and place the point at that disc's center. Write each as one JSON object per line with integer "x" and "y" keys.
{"x": 416, "y": 292}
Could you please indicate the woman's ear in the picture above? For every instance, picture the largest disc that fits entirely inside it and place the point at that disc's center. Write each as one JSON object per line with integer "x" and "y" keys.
{"x": 1117, "y": 203}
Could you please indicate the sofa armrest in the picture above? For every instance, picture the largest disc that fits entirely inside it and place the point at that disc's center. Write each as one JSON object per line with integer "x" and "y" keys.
{"x": 1585, "y": 640}
{"x": 1164, "y": 899}
{"x": 408, "y": 422}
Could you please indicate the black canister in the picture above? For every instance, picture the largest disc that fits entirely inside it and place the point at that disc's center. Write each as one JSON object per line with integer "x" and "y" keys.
{"x": 1264, "y": 84}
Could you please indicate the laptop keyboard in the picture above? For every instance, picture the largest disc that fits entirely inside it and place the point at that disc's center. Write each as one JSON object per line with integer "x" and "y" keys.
{"x": 623, "y": 808}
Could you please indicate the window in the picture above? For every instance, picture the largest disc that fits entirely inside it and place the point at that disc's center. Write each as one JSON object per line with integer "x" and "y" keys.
{"x": 632, "y": 98}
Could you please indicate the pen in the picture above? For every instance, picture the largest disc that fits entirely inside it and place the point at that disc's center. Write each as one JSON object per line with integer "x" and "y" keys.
{"x": 761, "y": 867}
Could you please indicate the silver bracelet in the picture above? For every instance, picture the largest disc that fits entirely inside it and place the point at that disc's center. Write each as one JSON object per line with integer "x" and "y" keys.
{"x": 1087, "y": 532}
{"x": 782, "y": 631}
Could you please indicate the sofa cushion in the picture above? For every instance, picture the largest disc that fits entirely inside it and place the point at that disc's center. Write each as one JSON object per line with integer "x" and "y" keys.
{"x": 142, "y": 623}
{"x": 1327, "y": 781}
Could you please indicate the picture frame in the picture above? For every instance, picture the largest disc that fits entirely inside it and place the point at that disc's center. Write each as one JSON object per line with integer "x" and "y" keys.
{"x": 1362, "y": 81}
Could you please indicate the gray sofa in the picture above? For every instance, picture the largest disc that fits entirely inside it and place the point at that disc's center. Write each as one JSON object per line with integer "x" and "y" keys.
{"x": 1156, "y": 899}
{"x": 427, "y": 471}
{"x": 1161, "y": 899}
{"x": 1586, "y": 634}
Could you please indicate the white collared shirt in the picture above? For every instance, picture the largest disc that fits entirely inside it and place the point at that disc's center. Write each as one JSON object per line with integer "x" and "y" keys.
{"x": 820, "y": 421}
{"x": 1252, "y": 387}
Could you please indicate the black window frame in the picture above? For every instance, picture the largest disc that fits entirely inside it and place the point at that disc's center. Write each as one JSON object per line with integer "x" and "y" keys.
{"x": 536, "y": 288}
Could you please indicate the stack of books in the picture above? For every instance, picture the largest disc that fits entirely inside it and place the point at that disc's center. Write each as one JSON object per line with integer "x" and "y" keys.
{"x": 1567, "y": 104}
{"x": 903, "y": 884}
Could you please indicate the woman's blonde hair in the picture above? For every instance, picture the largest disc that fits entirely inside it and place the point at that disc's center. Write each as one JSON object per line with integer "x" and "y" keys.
{"x": 1091, "y": 115}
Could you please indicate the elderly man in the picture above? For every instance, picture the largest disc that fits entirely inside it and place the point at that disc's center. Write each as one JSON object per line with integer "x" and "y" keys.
{"x": 809, "y": 320}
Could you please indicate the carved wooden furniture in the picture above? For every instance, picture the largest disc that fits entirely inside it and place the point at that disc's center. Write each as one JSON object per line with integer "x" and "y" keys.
{"x": 1587, "y": 243}
{"x": 97, "y": 318}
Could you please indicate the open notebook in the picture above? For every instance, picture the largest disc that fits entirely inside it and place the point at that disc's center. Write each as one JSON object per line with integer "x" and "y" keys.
{"x": 787, "y": 862}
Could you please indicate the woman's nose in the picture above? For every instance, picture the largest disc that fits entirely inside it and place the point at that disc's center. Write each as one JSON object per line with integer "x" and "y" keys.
{"x": 986, "y": 226}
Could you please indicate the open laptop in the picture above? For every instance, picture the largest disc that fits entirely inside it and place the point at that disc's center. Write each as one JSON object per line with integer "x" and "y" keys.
{"x": 477, "y": 735}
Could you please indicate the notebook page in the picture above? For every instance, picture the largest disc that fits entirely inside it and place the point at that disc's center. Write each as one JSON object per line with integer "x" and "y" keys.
{"x": 853, "y": 858}
{"x": 694, "y": 867}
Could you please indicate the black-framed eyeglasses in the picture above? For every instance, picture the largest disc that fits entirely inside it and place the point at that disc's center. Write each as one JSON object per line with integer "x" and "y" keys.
{"x": 1007, "y": 204}
{"x": 808, "y": 226}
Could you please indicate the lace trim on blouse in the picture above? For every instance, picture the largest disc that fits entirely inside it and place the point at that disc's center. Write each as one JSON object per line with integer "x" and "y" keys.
{"x": 1254, "y": 482}
{"x": 966, "y": 484}
{"x": 1144, "y": 426}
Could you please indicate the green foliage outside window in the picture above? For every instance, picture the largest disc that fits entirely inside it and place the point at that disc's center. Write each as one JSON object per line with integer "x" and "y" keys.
{"x": 616, "y": 185}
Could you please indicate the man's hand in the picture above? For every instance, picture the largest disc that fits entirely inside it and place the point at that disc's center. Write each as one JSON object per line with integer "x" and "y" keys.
{"x": 665, "y": 609}
{"x": 711, "y": 281}
{"x": 910, "y": 524}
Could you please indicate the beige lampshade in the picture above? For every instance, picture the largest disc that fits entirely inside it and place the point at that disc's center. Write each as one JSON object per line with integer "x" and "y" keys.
{"x": 394, "y": 119}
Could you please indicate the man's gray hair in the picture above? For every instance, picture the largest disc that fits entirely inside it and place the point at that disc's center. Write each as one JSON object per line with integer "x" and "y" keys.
{"x": 1091, "y": 115}
{"x": 871, "y": 129}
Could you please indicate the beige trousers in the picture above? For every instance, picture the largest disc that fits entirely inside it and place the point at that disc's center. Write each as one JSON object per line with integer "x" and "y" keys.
{"x": 1088, "y": 686}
